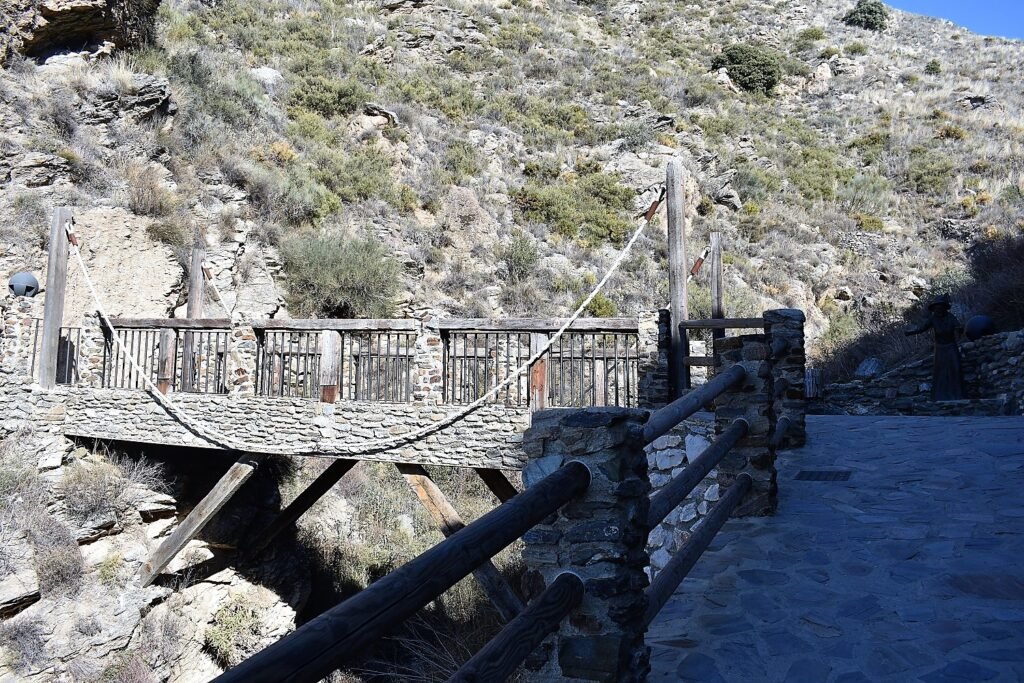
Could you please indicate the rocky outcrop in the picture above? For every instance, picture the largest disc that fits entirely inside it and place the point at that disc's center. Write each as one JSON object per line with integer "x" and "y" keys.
{"x": 37, "y": 28}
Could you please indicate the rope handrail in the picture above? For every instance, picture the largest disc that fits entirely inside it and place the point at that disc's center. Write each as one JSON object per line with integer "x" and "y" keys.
{"x": 218, "y": 438}
{"x": 320, "y": 646}
{"x": 669, "y": 497}
{"x": 669, "y": 578}
{"x": 664, "y": 419}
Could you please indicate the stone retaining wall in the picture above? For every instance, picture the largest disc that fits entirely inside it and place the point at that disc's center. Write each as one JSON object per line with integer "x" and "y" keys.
{"x": 993, "y": 375}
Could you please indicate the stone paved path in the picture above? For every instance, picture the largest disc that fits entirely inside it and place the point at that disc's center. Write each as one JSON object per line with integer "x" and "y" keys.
{"x": 913, "y": 570}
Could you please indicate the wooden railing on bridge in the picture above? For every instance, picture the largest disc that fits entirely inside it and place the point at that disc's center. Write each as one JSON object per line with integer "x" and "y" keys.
{"x": 579, "y": 490}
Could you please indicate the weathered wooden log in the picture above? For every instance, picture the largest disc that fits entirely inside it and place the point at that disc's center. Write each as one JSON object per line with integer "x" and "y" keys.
{"x": 194, "y": 309}
{"x": 56, "y": 286}
{"x": 344, "y": 632}
{"x": 500, "y": 657}
{"x": 679, "y": 372}
{"x": 200, "y": 516}
{"x": 171, "y": 323}
{"x": 669, "y": 497}
{"x": 537, "y": 325}
{"x": 449, "y": 521}
{"x": 664, "y": 419}
{"x": 298, "y": 507}
{"x": 669, "y": 578}
{"x": 781, "y": 427}
{"x": 165, "y": 361}
{"x": 717, "y": 284}
{"x": 538, "y": 374}
{"x": 330, "y": 366}
{"x": 724, "y": 324}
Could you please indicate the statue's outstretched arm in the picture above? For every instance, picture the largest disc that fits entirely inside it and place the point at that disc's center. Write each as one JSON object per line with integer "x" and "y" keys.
{"x": 918, "y": 329}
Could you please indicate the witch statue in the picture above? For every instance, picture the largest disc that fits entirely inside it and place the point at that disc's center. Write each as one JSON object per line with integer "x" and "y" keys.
{"x": 947, "y": 375}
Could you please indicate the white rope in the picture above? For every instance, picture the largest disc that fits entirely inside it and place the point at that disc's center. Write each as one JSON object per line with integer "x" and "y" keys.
{"x": 218, "y": 438}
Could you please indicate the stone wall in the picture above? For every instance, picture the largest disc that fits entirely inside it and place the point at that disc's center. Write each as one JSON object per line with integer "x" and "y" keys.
{"x": 993, "y": 375}
{"x": 489, "y": 437}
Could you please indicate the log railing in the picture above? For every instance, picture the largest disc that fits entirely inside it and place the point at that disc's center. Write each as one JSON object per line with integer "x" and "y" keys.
{"x": 157, "y": 348}
{"x": 718, "y": 327}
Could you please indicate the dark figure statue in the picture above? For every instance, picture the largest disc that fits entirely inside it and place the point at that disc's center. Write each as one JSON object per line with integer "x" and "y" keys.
{"x": 947, "y": 375}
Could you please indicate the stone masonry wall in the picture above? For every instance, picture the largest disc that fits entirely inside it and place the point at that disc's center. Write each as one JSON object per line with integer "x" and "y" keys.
{"x": 993, "y": 375}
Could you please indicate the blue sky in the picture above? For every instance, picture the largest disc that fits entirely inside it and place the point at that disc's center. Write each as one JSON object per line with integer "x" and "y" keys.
{"x": 987, "y": 17}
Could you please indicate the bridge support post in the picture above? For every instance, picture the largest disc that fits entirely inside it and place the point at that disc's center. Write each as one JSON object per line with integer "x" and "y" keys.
{"x": 785, "y": 330}
{"x": 240, "y": 371}
{"x": 753, "y": 402}
{"x": 601, "y": 537}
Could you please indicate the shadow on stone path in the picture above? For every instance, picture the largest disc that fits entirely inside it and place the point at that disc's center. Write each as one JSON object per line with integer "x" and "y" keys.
{"x": 913, "y": 569}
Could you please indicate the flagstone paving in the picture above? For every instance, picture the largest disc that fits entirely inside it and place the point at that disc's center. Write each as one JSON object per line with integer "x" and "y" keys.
{"x": 912, "y": 570}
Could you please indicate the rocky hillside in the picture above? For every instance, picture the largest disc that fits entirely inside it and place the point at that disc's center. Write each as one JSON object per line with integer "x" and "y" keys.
{"x": 501, "y": 151}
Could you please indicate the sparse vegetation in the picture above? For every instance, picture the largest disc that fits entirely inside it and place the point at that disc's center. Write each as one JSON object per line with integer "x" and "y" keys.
{"x": 236, "y": 631}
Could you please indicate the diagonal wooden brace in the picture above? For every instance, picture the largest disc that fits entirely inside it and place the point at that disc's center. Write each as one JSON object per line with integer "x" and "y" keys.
{"x": 498, "y": 483}
{"x": 200, "y": 516}
{"x": 448, "y": 521}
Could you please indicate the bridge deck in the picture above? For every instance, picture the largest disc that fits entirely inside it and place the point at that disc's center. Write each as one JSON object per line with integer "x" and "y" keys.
{"x": 913, "y": 569}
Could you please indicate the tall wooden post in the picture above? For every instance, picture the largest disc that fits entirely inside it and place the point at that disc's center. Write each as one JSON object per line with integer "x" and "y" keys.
{"x": 717, "y": 284}
{"x": 165, "y": 362}
{"x": 330, "y": 365}
{"x": 194, "y": 308}
{"x": 538, "y": 374}
{"x": 56, "y": 285}
{"x": 679, "y": 372}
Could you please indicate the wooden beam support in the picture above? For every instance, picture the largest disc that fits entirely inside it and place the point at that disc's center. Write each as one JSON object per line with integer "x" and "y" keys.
{"x": 330, "y": 365}
{"x": 537, "y": 325}
{"x": 679, "y": 372}
{"x": 717, "y": 284}
{"x": 200, "y": 516}
{"x": 448, "y": 521}
{"x": 498, "y": 483}
{"x": 726, "y": 324}
{"x": 194, "y": 309}
{"x": 165, "y": 361}
{"x": 298, "y": 507}
{"x": 171, "y": 323}
{"x": 538, "y": 374}
{"x": 56, "y": 286}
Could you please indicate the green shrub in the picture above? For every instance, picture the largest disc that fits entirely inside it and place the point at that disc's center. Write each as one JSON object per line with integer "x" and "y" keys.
{"x": 362, "y": 173}
{"x": 930, "y": 171}
{"x": 933, "y": 68}
{"x": 519, "y": 257}
{"x": 951, "y": 132}
{"x": 868, "y": 14}
{"x": 856, "y": 49}
{"x": 751, "y": 67}
{"x": 328, "y": 96}
{"x": 868, "y": 223}
{"x": 594, "y": 207}
{"x": 812, "y": 33}
{"x": 600, "y": 307}
{"x": 461, "y": 162}
{"x": 235, "y": 633}
{"x": 339, "y": 276}
{"x": 817, "y": 174}
{"x": 829, "y": 52}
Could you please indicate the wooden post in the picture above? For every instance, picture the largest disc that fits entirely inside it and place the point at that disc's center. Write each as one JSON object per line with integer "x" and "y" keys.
{"x": 679, "y": 372}
{"x": 194, "y": 308}
{"x": 165, "y": 363}
{"x": 498, "y": 483}
{"x": 449, "y": 521}
{"x": 330, "y": 359}
{"x": 200, "y": 516}
{"x": 717, "y": 284}
{"x": 56, "y": 285}
{"x": 538, "y": 374}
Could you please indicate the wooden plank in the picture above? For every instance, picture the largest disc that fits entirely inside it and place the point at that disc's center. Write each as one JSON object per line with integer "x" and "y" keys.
{"x": 165, "y": 361}
{"x": 343, "y": 632}
{"x": 56, "y": 286}
{"x": 194, "y": 309}
{"x": 448, "y": 521}
{"x": 813, "y": 383}
{"x": 500, "y": 657}
{"x": 498, "y": 483}
{"x": 717, "y": 284}
{"x": 724, "y": 324}
{"x": 171, "y": 323}
{"x": 200, "y": 516}
{"x": 348, "y": 325}
{"x": 537, "y": 325}
{"x": 298, "y": 507}
{"x": 538, "y": 374}
{"x": 700, "y": 361}
{"x": 330, "y": 366}
{"x": 679, "y": 372}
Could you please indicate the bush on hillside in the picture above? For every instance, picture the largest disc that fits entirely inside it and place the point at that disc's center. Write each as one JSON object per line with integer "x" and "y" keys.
{"x": 328, "y": 96}
{"x": 339, "y": 276}
{"x": 933, "y": 68}
{"x": 869, "y": 14}
{"x": 751, "y": 67}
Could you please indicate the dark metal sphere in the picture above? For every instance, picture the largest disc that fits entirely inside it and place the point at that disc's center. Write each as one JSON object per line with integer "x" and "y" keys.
{"x": 979, "y": 326}
{"x": 23, "y": 284}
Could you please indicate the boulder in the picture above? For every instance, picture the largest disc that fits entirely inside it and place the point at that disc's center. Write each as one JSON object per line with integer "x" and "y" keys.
{"x": 868, "y": 368}
{"x": 145, "y": 96}
{"x": 37, "y": 28}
